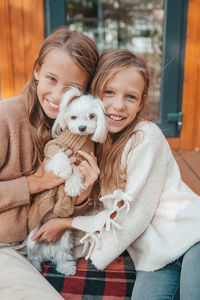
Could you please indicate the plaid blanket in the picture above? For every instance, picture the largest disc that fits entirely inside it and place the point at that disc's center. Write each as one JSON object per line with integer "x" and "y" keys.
{"x": 115, "y": 283}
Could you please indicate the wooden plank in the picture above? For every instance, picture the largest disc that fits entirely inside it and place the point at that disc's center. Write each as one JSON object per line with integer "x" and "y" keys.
{"x": 23, "y": 30}
{"x": 174, "y": 143}
{"x": 17, "y": 44}
{"x": 6, "y": 76}
{"x": 190, "y": 76}
{"x": 192, "y": 159}
{"x": 33, "y": 16}
{"x": 188, "y": 175}
{"x": 196, "y": 144}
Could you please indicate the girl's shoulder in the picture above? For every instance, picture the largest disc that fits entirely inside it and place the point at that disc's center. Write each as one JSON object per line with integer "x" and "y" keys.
{"x": 13, "y": 108}
{"x": 149, "y": 131}
{"x": 147, "y": 134}
{"x": 148, "y": 138}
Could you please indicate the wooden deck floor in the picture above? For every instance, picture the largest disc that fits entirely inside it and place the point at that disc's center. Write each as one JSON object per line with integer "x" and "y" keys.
{"x": 189, "y": 164}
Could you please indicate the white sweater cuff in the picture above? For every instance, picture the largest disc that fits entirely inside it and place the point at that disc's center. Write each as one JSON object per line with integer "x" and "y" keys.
{"x": 91, "y": 223}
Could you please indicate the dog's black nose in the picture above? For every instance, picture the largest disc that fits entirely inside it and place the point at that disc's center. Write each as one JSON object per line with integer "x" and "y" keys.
{"x": 82, "y": 128}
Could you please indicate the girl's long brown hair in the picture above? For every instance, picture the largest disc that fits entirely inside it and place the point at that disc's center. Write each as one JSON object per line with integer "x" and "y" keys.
{"x": 84, "y": 53}
{"x": 109, "y": 154}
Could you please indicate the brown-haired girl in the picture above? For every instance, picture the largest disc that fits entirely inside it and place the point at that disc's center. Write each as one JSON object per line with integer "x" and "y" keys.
{"x": 67, "y": 58}
{"x": 148, "y": 209}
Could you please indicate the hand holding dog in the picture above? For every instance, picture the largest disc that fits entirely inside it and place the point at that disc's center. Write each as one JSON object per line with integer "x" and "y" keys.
{"x": 43, "y": 180}
{"x": 90, "y": 172}
{"x": 52, "y": 230}
{"x": 79, "y": 124}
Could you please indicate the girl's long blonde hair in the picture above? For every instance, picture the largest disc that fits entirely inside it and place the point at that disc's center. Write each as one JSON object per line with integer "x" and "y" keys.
{"x": 109, "y": 154}
{"x": 84, "y": 53}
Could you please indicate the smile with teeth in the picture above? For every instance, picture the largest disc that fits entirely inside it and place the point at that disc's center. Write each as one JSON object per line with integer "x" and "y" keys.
{"x": 116, "y": 118}
{"x": 52, "y": 104}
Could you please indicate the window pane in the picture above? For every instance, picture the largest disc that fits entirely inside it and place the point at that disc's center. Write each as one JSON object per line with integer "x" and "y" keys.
{"x": 133, "y": 24}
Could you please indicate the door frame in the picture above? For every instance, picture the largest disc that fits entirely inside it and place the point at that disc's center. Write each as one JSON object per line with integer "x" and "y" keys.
{"x": 174, "y": 37}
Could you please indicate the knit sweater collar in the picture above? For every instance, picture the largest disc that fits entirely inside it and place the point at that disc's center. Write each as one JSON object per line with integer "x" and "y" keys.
{"x": 76, "y": 141}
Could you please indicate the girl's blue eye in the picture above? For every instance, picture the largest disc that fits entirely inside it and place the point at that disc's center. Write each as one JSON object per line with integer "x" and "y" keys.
{"x": 108, "y": 93}
{"x": 51, "y": 78}
{"x": 131, "y": 97}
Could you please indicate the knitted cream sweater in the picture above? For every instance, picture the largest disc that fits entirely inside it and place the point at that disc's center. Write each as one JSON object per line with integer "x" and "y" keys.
{"x": 160, "y": 218}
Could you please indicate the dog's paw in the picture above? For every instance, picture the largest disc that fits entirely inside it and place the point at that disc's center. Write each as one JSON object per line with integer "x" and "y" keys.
{"x": 35, "y": 262}
{"x": 73, "y": 184}
{"x": 67, "y": 268}
{"x": 60, "y": 165}
{"x": 72, "y": 190}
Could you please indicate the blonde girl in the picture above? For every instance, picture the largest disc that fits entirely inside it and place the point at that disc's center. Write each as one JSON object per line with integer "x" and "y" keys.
{"x": 148, "y": 209}
{"x": 67, "y": 58}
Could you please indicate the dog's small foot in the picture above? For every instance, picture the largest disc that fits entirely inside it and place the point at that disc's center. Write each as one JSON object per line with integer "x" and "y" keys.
{"x": 73, "y": 184}
{"x": 67, "y": 268}
{"x": 35, "y": 263}
{"x": 60, "y": 165}
{"x": 72, "y": 190}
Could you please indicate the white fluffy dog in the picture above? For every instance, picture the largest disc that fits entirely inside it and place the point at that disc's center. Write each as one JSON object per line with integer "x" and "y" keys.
{"x": 81, "y": 115}
{"x": 58, "y": 253}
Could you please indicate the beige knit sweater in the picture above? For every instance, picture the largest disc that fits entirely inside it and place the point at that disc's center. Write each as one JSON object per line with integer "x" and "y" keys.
{"x": 16, "y": 149}
{"x": 15, "y": 158}
{"x": 57, "y": 199}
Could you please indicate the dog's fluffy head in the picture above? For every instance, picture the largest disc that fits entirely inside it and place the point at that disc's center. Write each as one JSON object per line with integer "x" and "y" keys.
{"x": 81, "y": 114}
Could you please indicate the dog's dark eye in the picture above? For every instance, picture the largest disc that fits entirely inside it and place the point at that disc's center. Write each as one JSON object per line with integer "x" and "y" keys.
{"x": 73, "y": 117}
{"x": 91, "y": 116}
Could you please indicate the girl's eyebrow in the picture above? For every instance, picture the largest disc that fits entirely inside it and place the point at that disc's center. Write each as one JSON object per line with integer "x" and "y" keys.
{"x": 52, "y": 74}
{"x": 76, "y": 84}
{"x": 55, "y": 75}
{"x": 110, "y": 87}
{"x": 68, "y": 85}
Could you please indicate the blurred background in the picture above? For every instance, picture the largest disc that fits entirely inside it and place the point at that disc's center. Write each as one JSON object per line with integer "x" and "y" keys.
{"x": 164, "y": 32}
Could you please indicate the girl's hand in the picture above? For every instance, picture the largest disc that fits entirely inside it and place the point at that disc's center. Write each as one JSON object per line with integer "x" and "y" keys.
{"x": 90, "y": 172}
{"x": 42, "y": 180}
{"x": 53, "y": 230}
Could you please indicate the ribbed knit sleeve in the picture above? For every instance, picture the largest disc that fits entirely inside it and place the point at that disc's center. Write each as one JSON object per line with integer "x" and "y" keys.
{"x": 146, "y": 165}
{"x": 13, "y": 193}
{"x": 4, "y": 142}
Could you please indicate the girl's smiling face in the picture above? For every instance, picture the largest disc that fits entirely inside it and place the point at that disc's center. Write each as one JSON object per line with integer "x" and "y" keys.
{"x": 55, "y": 76}
{"x": 122, "y": 97}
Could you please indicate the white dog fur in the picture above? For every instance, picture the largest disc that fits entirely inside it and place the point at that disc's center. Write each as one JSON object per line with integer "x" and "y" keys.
{"x": 81, "y": 114}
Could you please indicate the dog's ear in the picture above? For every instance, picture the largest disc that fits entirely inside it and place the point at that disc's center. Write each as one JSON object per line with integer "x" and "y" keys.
{"x": 101, "y": 131}
{"x": 60, "y": 123}
{"x": 57, "y": 127}
{"x": 68, "y": 97}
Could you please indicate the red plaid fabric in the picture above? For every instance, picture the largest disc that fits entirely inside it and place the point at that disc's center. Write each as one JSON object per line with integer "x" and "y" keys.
{"x": 115, "y": 283}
